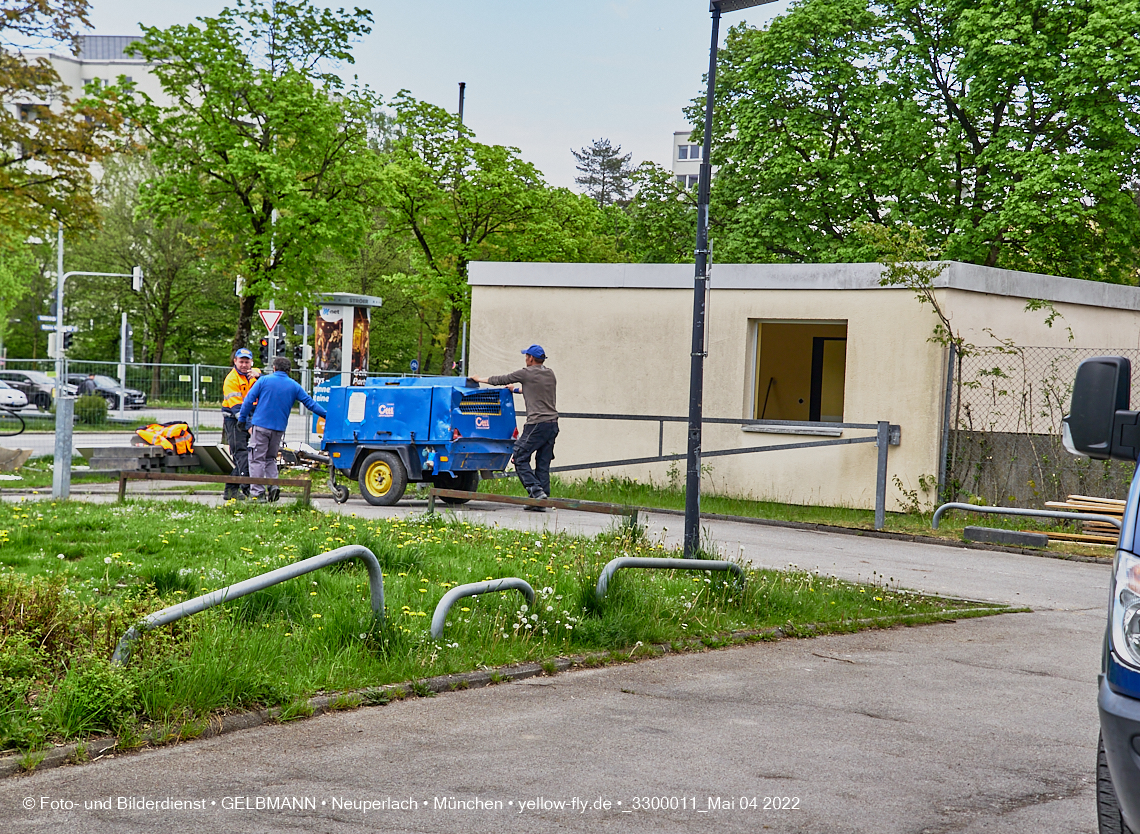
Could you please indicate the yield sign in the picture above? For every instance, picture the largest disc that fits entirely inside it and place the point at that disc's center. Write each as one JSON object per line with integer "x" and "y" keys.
{"x": 270, "y": 318}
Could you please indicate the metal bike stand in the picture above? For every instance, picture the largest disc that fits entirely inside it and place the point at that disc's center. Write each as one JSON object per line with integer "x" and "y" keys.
{"x": 256, "y": 583}
{"x": 439, "y": 618}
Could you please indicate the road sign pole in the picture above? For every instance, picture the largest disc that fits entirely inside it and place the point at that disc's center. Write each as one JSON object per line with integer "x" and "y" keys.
{"x": 123, "y": 366}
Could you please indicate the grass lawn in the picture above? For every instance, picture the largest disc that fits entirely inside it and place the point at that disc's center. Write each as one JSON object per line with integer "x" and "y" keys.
{"x": 74, "y": 576}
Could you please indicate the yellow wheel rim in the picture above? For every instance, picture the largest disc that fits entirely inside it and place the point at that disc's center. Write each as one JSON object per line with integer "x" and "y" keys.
{"x": 379, "y": 478}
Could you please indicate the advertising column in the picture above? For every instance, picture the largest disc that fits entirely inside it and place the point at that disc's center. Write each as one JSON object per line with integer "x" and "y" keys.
{"x": 341, "y": 343}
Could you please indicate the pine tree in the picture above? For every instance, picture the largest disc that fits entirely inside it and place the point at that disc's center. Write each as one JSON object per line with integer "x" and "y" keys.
{"x": 606, "y": 174}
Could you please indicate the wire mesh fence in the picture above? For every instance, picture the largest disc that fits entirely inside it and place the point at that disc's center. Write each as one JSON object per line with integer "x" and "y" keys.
{"x": 1005, "y": 428}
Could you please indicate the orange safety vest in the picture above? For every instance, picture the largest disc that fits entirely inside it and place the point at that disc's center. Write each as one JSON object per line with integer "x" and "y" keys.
{"x": 175, "y": 438}
{"x": 234, "y": 388}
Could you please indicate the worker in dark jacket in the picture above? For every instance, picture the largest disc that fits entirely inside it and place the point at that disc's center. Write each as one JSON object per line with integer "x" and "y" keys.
{"x": 266, "y": 409}
{"x": 539, "y": 390}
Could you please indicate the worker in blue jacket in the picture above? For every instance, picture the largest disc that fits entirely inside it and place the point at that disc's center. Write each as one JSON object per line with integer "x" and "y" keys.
{"x": 266, "y": 408}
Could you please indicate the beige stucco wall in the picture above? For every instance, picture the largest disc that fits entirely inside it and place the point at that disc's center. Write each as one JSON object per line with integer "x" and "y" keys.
{"x": 618, "y": 337}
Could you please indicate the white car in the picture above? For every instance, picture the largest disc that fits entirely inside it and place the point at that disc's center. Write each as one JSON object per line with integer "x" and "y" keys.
{"x": 10, "y": 397}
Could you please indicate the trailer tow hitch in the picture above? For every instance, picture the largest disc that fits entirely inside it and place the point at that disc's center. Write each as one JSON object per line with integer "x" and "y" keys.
{"x": 339, "y": 492}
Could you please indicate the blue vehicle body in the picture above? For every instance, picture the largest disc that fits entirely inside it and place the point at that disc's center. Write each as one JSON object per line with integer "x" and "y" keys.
{"x": 1101, "y": 426}
{"x": 1119, "y": 697}
{"x": 443, "y": 429}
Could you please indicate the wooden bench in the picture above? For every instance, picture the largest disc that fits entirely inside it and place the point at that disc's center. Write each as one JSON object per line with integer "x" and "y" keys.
{"x": 305, "y": 484}
{"x": 557, "y": 503}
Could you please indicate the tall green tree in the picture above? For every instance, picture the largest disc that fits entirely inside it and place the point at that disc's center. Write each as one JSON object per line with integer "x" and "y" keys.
{"x": 604, "y": 173}
{"x": 49, "y": 135}
{"x": 262, "y": 141}
{"x": 453, "y": 200}
{"x": 662, "y": 218}
{"x": 184, "y": 311}
{"x": 1008, "y": 133}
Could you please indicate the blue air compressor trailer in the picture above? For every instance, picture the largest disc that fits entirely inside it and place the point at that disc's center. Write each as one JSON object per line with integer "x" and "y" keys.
{"x": 395, "y": 430}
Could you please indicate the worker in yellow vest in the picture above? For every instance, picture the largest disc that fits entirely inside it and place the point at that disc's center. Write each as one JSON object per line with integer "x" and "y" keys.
{"x": 237, "y": 384}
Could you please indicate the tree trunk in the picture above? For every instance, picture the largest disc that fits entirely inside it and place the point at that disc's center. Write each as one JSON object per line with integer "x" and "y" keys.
{"x": 245, "y": 321}
{"x": 452, "y": 340}
{"x": 156, "y": 371}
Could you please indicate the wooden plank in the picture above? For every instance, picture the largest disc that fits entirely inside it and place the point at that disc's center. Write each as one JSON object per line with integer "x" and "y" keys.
{"x": 305, "y": 484}
{"x": 556, "y": 503}
{"x": 1117, "y": 501}
{"x": 1103, "y": 509}
{"x": 1078, "y": 537}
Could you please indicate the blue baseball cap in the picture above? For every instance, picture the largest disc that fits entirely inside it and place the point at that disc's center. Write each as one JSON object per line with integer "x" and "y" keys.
{"x": 536, "y": 351}
{"x": 242, "y": 353}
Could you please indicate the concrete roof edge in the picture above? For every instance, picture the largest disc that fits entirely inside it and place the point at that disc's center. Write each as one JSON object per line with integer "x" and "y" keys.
{"x": 1017, "y": 284}
{"x": 833, "y": 276}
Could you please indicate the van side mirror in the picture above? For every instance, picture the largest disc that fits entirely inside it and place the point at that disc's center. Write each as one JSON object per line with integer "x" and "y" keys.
{"x": 1099, "y": 424}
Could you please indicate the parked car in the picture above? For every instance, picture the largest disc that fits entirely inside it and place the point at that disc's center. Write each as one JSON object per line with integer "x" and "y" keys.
{"x": 110, "y": 390}
{"x": 37, "y": 386}
{"x": 1101, "y": 426}
{"x": 11, "y": 397}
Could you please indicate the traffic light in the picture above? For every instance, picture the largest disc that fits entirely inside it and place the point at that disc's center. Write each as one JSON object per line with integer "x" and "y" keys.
{"x": 264, "y": 350}
{"x": 68, "y": 338}
{"x": 298, "y": 353}
{"x": 279, "y": 347}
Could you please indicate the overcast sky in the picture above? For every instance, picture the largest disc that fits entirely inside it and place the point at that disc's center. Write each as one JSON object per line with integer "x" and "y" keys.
{"x": 544, "y": 76}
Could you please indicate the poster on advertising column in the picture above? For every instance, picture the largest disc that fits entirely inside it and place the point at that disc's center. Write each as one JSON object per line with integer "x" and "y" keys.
{"x": 328, "y": 341}
{"x": 360, "y": 321}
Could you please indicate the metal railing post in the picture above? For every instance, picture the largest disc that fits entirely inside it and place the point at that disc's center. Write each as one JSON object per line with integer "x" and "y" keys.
{"x": 882, "y": 440}
{"x": 194, "y": 377}
{"x": 942, "y": 462}
{"x": 61, "y": 471}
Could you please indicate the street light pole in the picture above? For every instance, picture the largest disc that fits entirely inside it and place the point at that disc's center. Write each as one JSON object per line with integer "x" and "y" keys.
{"x": 700, "y": 289}
{"x": 65, "y": 406}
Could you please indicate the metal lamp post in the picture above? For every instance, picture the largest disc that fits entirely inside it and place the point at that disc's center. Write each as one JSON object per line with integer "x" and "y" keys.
{"x": 64, "y": 406}
{"x": 700, "y": 288}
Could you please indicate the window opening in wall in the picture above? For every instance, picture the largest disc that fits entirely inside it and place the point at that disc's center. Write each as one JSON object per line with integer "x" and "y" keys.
{"x": 801, "y": 369}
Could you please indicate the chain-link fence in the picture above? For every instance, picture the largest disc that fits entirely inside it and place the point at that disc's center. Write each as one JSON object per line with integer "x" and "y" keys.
{"x": 184, "y": 392}
{"x": 1004, "y": 442}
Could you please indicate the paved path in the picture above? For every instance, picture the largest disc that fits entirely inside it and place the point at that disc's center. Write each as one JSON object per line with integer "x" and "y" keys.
{"x": 977, "y": 726}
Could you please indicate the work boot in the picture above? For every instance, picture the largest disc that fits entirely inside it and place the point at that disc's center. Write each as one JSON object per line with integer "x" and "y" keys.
{"x": 533, "y": 509}
{"x": 274, "y": 493}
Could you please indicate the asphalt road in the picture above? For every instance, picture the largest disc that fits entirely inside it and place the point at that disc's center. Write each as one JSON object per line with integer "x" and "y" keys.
{"x": 984, "y": 725}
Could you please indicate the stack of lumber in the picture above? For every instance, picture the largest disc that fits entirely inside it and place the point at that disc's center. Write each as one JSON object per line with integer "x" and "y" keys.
{"x": 1097, "y": 532}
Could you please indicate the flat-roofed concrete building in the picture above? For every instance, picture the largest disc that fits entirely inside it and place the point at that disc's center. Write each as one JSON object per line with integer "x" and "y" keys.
{"x": 805, "y": 342}
{"x": 101, "y": 57}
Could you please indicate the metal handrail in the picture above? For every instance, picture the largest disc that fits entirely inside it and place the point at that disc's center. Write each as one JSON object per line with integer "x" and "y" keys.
{"x": 614, "y": 565}
{"x": 257, "y": 583}
{"x": 439, "y": 617}
{"x": 974, "y": 508}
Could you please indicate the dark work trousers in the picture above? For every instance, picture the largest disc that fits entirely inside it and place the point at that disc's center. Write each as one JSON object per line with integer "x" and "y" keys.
{"x": 238, "y": 441}
{"x": 263, "y": 447}
{"x": 536, "y": 439}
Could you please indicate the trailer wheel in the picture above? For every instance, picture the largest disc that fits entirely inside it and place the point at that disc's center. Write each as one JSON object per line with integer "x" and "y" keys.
{"x": 382, "y": 479}
{"x": 466, "y": 481}
{"x": 340, "y": 493}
